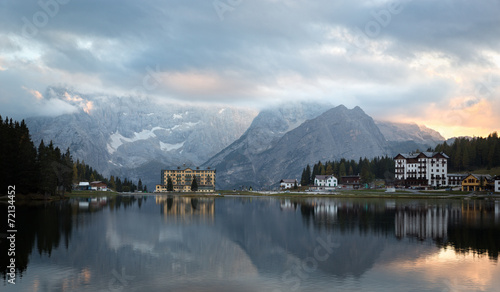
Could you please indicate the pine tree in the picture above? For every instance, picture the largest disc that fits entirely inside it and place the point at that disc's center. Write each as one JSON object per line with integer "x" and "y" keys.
{"x": 170, "y": 185}
{"x": 44, "y": 185}
{"x": 27, "y": 171}
{"x": 139, "y": 185}
{"x": 315, "y": 170}
{"x": 119, "y": 186}
{"x": 329, "y": 169}
{"x": 75, "y": 173}
{"x": 465, "y": 159}
{"x": 303, "y": 178}
{"x": 3, "y": 155}
{"x": 342, "y": 170}
{"x": 308, "y": 175}
{"x": 194, "y": 185}
{"x": 65, "y": 172}
{"x": 112, "y": 183}
{"x": 366, "y": 174}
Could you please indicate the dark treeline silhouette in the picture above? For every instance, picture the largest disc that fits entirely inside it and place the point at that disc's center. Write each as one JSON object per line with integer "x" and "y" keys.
{"x": 83, "y": 172}
{"x": 471, "y": 154}
{"x": 44, "y": 227}
{"x": 40, "y": 227}
{"x": 44, "y": 170}
{"x": 377, "y": 168}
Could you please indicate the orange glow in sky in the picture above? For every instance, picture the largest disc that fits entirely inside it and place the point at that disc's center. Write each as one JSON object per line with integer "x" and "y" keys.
{"x": 462, "y": 116}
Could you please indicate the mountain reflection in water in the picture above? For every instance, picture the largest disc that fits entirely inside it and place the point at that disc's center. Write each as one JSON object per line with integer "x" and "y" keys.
{"x": 254, "y": 244}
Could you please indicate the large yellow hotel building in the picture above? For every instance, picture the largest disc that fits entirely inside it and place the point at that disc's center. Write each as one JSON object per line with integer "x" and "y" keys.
{"x": 182, "y": 178}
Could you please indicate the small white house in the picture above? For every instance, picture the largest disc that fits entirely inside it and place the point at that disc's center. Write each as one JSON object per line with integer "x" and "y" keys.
{"x": 326, "y": 181}
{"x": 83, "y": 186}
{"x": 497, "y": 185}
{"x": 288, "y": 183}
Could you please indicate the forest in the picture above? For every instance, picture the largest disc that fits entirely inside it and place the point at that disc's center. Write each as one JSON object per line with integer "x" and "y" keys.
{"x": 45, "y": 170}
{"x": 469, "y": 154}
{"x": 376, "y": 168}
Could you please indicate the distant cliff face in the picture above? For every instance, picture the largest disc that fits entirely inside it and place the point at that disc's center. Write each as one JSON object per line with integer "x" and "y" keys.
{"x": 136, "y": 137}
{"x": 400, "y": 132}
{"x": 266, "y": 129}
{"x": 337, "y": 133}
{"x": 403, "y": 137}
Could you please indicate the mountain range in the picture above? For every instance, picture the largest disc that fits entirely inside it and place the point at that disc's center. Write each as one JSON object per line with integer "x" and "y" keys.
{"x": 335, "y": 134}
{"x": 136, "y": 137}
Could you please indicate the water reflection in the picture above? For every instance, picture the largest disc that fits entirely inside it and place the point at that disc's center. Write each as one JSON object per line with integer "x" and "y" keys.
{"x": 465, "y": 226}
{"x": 187, "y": 209}
{"x": 255, "y": 244}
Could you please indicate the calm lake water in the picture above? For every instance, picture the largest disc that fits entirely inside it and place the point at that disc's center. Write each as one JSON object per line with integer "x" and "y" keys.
{"x": 160, "y": 243}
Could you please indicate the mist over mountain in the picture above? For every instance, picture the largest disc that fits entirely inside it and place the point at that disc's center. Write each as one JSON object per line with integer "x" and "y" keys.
{"x": 400, "y": 132}
{"x": 406, "y": 137}
{"x": 136, "y": 137}
{"x": 238, "y": 159}
{"x": 335, "y": 134}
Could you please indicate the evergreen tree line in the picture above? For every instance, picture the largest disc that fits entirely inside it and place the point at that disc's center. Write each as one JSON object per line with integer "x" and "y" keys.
{"x": 471, "y": 154}
{"x": 46, "y": 169}
{"x": 83, "y": 172}
{"x": 377, "y": 168}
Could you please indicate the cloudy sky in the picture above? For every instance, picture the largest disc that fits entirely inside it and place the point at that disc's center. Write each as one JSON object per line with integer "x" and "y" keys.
{"x": 433, "y": 62}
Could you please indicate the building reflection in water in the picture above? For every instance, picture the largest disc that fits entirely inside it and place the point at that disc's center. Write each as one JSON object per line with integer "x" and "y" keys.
{"x": 185, "y": 209}
{"x": 465, "y": 225}
{"x": 423, "y": 222}
{"x": 323, "y": 210}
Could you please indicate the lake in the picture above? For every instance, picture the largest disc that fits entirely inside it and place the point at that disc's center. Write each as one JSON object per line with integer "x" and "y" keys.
{"x": 165, "y": 243}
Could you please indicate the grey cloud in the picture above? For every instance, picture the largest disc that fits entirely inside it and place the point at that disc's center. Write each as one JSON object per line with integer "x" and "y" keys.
{"x": 256, "y": 43}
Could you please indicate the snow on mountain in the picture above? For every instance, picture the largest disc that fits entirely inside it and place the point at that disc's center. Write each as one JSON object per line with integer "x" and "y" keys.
{"x": 136, "y": 137}
{"x": 117, "y": 135}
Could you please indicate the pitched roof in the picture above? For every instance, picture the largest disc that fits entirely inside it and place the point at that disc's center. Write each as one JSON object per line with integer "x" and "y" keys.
{"x": 458, "y": 174}
{"x": 427, "y": 154}
{"x": 480, "y": 176}
{"x": 286, "y": 180}
{"x": 323, "y": 177}
{"x": 184, "y": 167}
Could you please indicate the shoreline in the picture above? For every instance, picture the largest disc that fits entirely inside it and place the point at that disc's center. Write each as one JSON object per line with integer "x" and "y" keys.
{"x": 372, "y": 195}
{"x": 338, "y": 194}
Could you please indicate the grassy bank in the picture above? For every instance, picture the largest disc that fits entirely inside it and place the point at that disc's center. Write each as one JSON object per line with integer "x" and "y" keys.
{"x": 370, "y": 193}
{"x": 90, "y": 194}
